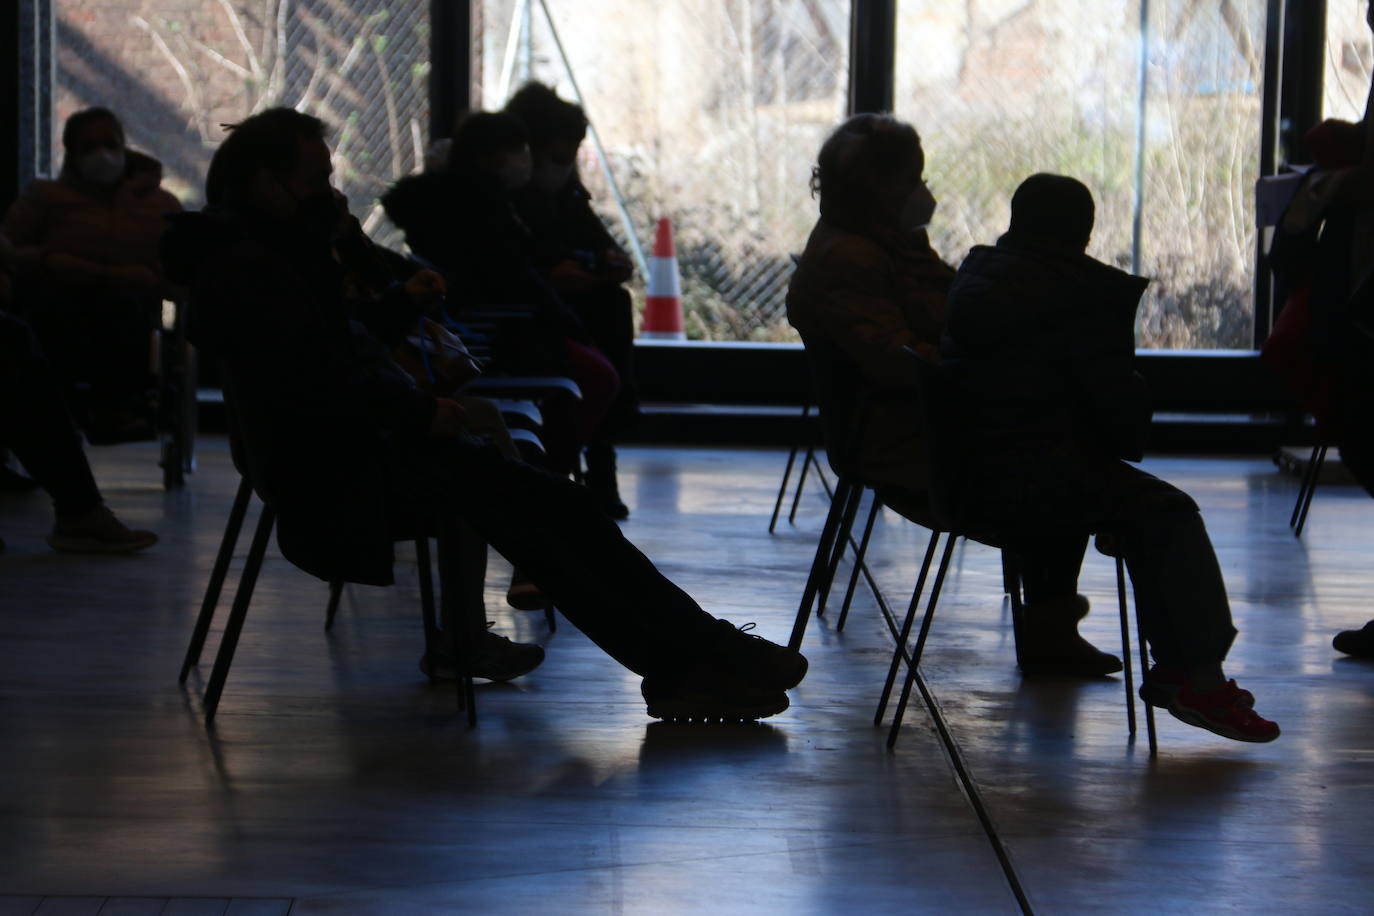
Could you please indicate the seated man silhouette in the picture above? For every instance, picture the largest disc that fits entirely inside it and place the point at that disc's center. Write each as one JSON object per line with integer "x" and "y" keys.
{"x": 1039, "y": 351}
{"x": 343, "y": 441}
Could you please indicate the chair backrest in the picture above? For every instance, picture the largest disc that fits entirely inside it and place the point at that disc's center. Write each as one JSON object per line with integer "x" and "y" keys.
{"x": 241, "y": 450}
{"x": 941, "y": 429}
{"x": 843, "y": 398}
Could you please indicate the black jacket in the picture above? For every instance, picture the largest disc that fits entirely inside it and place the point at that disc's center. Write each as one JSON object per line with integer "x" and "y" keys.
{"x": 467, "y": 227}
{"x": 1040, "y": 350}
{"x": 563, "y": 225}
{"x": 318, "y": 400}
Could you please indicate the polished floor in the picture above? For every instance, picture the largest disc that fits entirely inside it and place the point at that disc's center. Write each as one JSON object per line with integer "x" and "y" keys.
{"x": 337, "y": 781}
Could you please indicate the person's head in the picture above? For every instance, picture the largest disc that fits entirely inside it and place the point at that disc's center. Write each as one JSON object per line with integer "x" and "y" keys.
{"x": 1053, "y": 208}
{"x": 870, "y": 171}
{"x": 142, "y": 173}
{"x": 93, "y": 147}
{"x": 556, "y": 129}
{"x": 276, "y": 166}
{"x": 493, "y": 144}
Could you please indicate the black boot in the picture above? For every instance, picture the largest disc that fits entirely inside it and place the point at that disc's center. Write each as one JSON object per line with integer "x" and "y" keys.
{"x": 600, "y": 480}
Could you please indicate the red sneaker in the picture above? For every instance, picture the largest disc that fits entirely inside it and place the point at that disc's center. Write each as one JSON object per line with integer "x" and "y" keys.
{"x": 1222, "y": 711}
{"x": 1161, "y": 685}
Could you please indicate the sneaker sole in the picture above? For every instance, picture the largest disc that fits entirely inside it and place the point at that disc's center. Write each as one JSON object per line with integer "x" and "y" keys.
{"x": 1189, "y": 717}
{"x": 688, "y": 712}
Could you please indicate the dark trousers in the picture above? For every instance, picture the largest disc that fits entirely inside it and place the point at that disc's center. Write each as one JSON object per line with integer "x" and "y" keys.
{"x": 608, "y": 316}
{"x": 552, "y": 530}
{"x": 35, "y": 425}
{"x": 1158, "y": 531}
{"x": 101, "y": 342}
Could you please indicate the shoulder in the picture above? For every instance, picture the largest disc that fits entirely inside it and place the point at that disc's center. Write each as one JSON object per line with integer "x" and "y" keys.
{"x": 831, "y": 248}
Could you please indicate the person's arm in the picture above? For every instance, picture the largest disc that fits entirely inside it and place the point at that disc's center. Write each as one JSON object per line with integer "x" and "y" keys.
{"x": 266, "y": 321}
{"x": 858, "y": 310}
{"x": 25, "y": 225}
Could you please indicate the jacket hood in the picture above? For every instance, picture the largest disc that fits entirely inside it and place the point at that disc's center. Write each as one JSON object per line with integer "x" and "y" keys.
{"x": 416, "y": 199}
{"x": 412, "y": 199}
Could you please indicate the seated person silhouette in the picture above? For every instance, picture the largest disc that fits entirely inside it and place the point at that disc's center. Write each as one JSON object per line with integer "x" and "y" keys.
{"x": 462, "y": 220}
{"x": 343, "y": 441}
{"x": 89, "y": 271}
{"x": 868, "y": 286}
{"x": 581, "y": 261}
{"x": 35, "y": 426}
{"x": 1039, "y": 353}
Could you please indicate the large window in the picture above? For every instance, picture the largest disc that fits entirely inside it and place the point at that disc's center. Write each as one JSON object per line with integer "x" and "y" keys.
{"x": 1000, "y": 89}
{"x": 709, "y": 112}
{"x": 176, "y": 70}
{"x": 1349, "y": 55}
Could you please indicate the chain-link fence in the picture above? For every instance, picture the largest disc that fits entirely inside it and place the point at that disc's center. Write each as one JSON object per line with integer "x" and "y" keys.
{"x": 1000, "y": 90}
{"x": 175, "y": 71}
{"x": 710, "y": 111}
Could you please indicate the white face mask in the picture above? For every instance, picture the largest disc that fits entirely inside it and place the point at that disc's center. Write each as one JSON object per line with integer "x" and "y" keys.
{"x": 102, "y": 167}
{"x": 516, "y": 170}
{"x": 919, "y": 209}
{"x": 550, "y": 176}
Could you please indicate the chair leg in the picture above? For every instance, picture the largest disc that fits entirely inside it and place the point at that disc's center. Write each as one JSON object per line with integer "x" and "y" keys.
{"x": 217, "y": 574}
{"x": 234, "y": 626}
{"x": 1315, "y": 468}
{"x": 551, "y": 619}
{"x": 858, "y": 562}
{"x": 787, "y": 471}
{"x": 809, "y": 460}
{"x": 855, "y": 495}
{"x": 1144, "y": 678}
{"x": 427, "y": 613}
{"x": 914, "y": 666}
{"x": 335, "y": 594}
{"x": 458, "y": 566}
{"x": 1011, "y": 581}
{"x": 817, "y": 573}
{"x": 906, "y": 628}
{"x": 1126, "y": 661}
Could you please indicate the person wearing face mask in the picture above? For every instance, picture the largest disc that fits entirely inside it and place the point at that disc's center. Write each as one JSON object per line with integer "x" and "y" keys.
{"x": 463, "y": 220}
{"x": 89, "y": 277}
{"x": 867, "y": 287}
{"x": 581, "y": 260}
{"x": 346, "y": 443}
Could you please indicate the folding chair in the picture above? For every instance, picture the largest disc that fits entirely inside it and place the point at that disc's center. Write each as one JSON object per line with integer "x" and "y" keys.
{"x": 934, "y": 402}
{"x": 1310, "y": 475}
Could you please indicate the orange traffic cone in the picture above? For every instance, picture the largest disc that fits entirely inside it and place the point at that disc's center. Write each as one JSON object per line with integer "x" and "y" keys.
{"x": 663, "y": 304}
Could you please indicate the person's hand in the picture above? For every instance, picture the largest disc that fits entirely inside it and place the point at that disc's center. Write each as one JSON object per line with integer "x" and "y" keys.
{"x": 425, "y": 288}
{"x": 449, "y": 420}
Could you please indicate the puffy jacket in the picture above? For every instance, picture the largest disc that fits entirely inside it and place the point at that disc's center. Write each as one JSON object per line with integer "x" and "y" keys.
{"x": 858, "y": 299}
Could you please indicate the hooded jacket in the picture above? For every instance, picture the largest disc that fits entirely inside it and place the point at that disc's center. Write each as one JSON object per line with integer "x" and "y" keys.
{"x": 1040, "y": 351}
{"x": 317, "y": 399}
